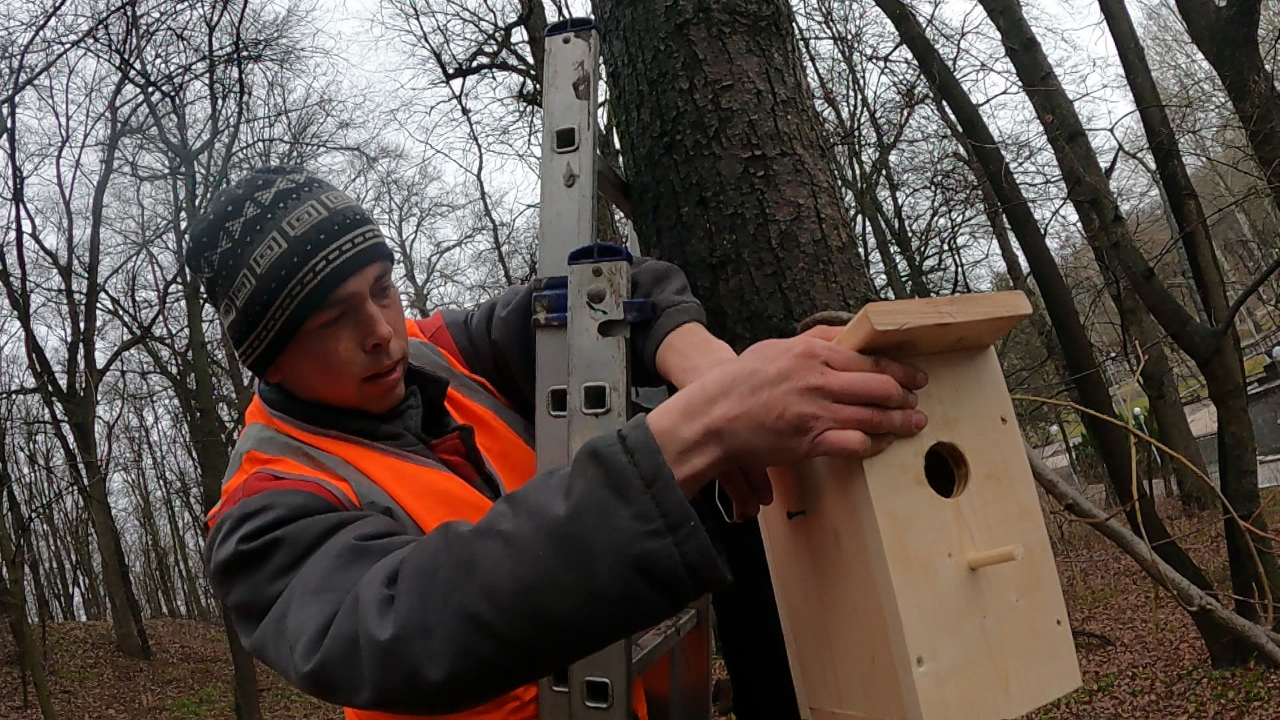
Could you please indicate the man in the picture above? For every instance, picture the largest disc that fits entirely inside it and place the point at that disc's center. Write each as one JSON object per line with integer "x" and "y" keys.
{"x": 383, "y": 540}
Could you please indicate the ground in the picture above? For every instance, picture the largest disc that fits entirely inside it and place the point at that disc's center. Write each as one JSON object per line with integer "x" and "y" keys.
{"x": 1157, "y": 666}
{"x": 189, "y": 679}
{"x": 1154, "y": 669}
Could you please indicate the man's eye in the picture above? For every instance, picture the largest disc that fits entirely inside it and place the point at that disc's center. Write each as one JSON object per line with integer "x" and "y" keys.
{"x": 382, "y": 291}
{"x": 333, "y": 320}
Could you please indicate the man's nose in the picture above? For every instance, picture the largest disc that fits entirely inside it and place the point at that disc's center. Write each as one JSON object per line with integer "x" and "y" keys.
{"x": 379, "y": 330}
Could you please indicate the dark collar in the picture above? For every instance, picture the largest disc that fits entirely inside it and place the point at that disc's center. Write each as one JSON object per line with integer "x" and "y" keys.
{"x": 411, "y": 425}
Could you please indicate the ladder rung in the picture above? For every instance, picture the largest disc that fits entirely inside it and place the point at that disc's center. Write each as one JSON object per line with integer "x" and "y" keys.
{"x": 612, "y": 186}
{"x": 659, "y": 640}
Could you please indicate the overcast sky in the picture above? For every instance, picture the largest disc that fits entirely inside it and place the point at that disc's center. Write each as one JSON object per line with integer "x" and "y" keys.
{"x": 375, "y": 59}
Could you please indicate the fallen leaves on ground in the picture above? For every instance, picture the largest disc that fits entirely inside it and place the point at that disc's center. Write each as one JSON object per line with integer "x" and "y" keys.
{"x": 1140, "y": 656}
{"x": 189, "y": 679}
{"x": 1158, "y": 667}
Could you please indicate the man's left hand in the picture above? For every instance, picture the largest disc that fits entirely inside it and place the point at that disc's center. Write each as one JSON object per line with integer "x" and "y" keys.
{"x": 686, "y": 354}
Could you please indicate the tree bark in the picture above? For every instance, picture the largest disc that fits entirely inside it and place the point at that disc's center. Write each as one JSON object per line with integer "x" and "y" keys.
{"x": 732, "y": 179}
{"x": 730, "y": 169}
{"x": 1112, "y": 442}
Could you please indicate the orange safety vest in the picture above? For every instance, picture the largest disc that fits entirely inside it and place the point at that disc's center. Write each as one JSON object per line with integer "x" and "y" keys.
{"x": 413, "y": 489}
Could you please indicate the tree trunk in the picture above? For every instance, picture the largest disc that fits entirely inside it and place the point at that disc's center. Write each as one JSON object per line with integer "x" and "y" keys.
{"x": 209, "y": 434}
{"x": 13, "y": 598}
{"x": 90, "y": 590}
{"x": 1106, "y": 229}
{"x": 78, "y": 399}
{"x": 865, "y": 198}
{"x": 57, "y": 548}
{"x": 195, "y": 606}
{"x": 1112, "y": 442}
{"x": 1161, "y": 387}
{"x": 44, "y": 611}
{"x": 995, "y": 217}
{"x": 1157, "y": 382}
{"x": 901, "y": 234}
{"x": 161, "y": 562}
{"x": 126, "y": 614}
{"x": 729, "y": 164}
{"x": 26, "y": 538}
{"x": 1189, "y": 222}
{"x": 1237, "y": 477}
{"x": 861, "y": 183}
{"x": 1226, "y": 33}
{"x": 732, "y": 179}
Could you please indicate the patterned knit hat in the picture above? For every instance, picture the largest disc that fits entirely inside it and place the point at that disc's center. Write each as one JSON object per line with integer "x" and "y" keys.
{"x": 270, "y": 248}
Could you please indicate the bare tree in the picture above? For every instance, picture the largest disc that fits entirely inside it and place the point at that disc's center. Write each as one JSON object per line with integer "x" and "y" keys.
{"x": 202, "y": 117}
{"x": 1213, "y": 347}
{"x": 73, "y": 256}
{"x": 1087, "y": 377}
{"x": 13, "y": 590}
{"x": 1226, "y": 33}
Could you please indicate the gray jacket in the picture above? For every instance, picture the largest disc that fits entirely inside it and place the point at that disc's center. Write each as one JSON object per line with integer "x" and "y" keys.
{"x": 360, "y": 610}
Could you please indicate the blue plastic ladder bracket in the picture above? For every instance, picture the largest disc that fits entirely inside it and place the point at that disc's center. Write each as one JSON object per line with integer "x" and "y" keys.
{"x": 551, "y": 295}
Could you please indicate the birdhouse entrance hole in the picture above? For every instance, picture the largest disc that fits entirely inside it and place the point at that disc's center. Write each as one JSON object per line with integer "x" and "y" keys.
{"x": 946, "y": 469}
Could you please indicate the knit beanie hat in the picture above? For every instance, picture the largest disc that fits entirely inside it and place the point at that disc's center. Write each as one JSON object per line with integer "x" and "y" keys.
{"x": 270, "y": 248}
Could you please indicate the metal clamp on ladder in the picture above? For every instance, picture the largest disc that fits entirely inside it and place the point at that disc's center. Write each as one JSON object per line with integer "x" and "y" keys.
{"x": 582, "y": 313}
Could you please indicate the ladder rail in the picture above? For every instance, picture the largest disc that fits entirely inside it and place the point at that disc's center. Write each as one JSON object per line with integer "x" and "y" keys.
{"x": 581, "y": 313}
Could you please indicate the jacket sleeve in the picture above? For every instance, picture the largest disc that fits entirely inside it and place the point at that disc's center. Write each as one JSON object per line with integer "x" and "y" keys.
{"x": 357, "y": 610}
{"x": 496, "y": 338}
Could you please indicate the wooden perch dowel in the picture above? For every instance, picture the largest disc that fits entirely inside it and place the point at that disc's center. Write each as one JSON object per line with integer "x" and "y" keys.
{"x": 998, "y": 556}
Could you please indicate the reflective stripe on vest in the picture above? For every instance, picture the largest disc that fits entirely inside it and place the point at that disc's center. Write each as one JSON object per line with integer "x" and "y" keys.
{"x": 417, "y": 492}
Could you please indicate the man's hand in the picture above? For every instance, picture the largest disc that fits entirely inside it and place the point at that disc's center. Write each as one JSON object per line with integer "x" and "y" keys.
{"x": 782, "y": 402}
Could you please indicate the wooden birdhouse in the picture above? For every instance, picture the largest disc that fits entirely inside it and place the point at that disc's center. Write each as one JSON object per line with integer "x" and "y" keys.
{"x": 919, "y": 584}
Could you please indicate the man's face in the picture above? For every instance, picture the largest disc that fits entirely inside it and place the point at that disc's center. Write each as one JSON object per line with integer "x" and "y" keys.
{"x": 352, "y": 351}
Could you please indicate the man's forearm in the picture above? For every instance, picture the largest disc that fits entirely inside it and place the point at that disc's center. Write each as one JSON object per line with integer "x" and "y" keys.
{"x": 335, "y": 600}
{"x": 689, "y": 352}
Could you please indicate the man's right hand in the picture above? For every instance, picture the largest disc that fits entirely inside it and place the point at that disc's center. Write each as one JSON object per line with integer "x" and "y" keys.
{"x": 785, "y": 401}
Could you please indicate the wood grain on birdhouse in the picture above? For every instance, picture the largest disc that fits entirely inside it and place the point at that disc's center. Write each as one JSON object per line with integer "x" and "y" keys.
{"x": 920, "y": 584}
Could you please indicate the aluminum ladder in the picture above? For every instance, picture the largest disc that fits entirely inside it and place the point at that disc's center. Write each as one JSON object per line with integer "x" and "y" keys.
{"x": 582, "y": 312}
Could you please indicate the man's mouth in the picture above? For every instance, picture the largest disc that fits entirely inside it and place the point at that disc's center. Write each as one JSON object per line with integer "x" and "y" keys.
{"x": 388, "y": 373}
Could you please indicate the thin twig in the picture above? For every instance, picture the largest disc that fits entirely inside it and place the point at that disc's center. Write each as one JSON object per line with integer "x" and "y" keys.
{"x": 1263, "y": 639}
{"x": 1253, "y": 287}
{"x": 1253, "y": 549}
